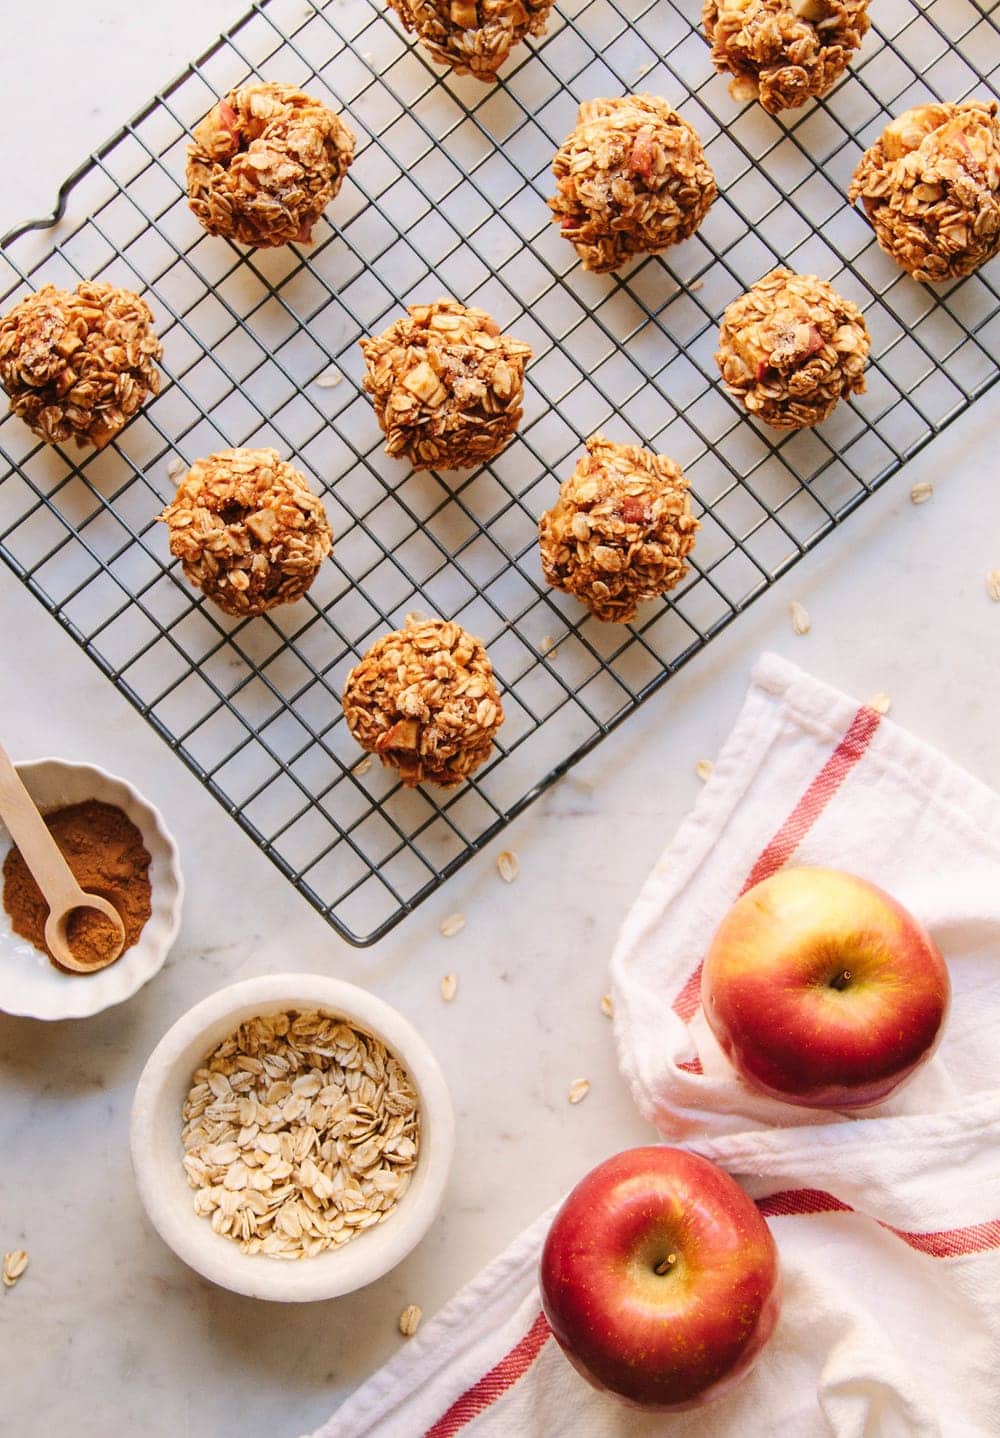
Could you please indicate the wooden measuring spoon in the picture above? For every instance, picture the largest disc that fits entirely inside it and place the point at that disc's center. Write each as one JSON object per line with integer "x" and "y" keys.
{"x": 52, "y": 874}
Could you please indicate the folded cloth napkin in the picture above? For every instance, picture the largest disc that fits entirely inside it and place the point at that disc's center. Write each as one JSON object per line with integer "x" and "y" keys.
{"x": 888, "y": 1225}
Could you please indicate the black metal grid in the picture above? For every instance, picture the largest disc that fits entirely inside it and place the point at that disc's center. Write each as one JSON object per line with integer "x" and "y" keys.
{"x": 446, "y": 195}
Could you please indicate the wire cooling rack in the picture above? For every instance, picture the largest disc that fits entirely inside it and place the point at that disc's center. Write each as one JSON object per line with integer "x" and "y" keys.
{"x": 446, "y": 196}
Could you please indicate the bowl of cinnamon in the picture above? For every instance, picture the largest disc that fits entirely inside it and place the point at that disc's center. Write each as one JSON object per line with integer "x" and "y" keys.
{"x": 118, "y": 846}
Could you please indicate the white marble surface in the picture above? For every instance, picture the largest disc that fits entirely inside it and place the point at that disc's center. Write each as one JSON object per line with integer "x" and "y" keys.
{"x": 108, "y": 1332}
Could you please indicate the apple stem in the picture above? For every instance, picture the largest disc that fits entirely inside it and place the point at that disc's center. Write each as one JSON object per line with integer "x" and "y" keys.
{"x": 666, "y": 1264}
{"x": 841, "y": 980}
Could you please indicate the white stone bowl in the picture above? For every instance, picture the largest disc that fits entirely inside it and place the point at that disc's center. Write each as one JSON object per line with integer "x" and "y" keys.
{"x": 157, "y": 1150}
{"x": 32, "y": 986}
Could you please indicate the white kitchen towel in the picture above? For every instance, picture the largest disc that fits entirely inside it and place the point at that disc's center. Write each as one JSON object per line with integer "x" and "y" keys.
{"x": 888, "y": 1225}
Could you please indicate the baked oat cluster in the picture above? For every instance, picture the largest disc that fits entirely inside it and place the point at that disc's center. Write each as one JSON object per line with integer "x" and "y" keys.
{"x": 790, "y": 348}
{"x": 248, "y": 530}
{"x": 931, "y": 188}
{"x": 78, "y": 364}
{"x": 265, "y": 163}
{"x": 447, "y": 386}
{"x": 424, "y": 700}
{"x": 620, "y": 529}
{"x": 631, "y": 179}
{"x": 474, "y": 39}
{"x": 783, "y": 52}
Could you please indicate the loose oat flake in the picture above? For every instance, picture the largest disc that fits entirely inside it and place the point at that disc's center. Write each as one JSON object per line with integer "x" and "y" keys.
{"x": 881, "y": 703}
{"x": 993, "y": 585}
{"x": 508, "y": 866}
{"x": 300, "y": 1131}
{"x": 801, "y": 623}
{"x": 922, "y": 492}
{"x": 452, "y": 925}
{"x": 329, "y": 379}
{"x": 409, "y": 1320}
{"x": 449, "y": 987}
{"x": 703, "y": 769}
{"x": 607, "y": 1006}
{"x": 176, "y": 467}
{"x": 578, "y": 1090}
{"x": 14, "y": 1264}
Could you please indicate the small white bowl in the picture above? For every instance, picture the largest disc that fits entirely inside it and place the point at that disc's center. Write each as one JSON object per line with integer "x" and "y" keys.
{"x": 157, "y": 1150}
{"x": 30, "y": 985}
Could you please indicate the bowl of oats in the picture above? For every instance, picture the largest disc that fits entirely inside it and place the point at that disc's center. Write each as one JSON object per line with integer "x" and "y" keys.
{"x": 291, "y": 1137}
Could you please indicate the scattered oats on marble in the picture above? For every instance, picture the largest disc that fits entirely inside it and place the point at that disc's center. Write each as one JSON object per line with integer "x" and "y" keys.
{"x": 452, "y": 925}
{"x": 449, "y": 987}
{"x": 14, "y": 1264}
{"x": 801, "y": 623}
{"x": 578, "y": 1090}
{"x": 409, "y": 1319}
{"x": 922, "y": 492}
{"x": 329, "y": 379}
{"x": 993, "y": 585}
{"x": 547, "y": 643}
{"x": 362, "y": 766}
{"x": 176, "y": 467}
{"x": 607, "y": 1006}
{"x": 508, "y": 866}
{"x": 703, "y": 769}
{"x": 881, "y": 703}
{"x": 300, "y": 1131}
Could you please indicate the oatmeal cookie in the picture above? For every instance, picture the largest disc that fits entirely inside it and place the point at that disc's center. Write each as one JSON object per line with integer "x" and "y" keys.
{"x": 783, "y": 52}
{"x": 620, "y": 529}
{"x": 447, "y": 386}
{"x": 631, "y": 179}
{"x": 473, "y": 38}
{"x": 78, "y": 364}
{"x": 424, "y": 700}
{"x": 930, "y": 186}
{"x": 248, "y": 530}
{"x": 265, "y": 163}
{"x": 790, "y": 348}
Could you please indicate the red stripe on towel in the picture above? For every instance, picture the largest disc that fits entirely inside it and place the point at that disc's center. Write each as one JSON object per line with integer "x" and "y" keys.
{"x": 494, "y": 1384}
{"x": 945, "y": 1243}
{"x": 787, "y": 839}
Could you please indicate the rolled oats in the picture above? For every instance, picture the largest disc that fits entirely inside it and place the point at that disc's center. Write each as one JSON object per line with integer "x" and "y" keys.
{"x": 922, "y": 492}
{"x": 993, "y": 585}
{"x": 14, "y": 1264}
{"x": 783, "y": 52}
{"x": 620, "y": 530}
{"x": 881, "y": 703}
{"x": 703, "y": 769}
{"x": 409, "y": 1320}
{"x": 631, "y": 179}
{"x": 329, "y": 379}
{"x": 801, "y": 623}
{"x": 78, "y": 364}
{"x": 424, "y": 700}
{"x": 578, "y": 1090}
{"x": 930, "y": 185}
{"x": 452, "y": 925}
{"x": 508, "y": 866}
{"x": 332, "y": 1145}
{"x": 248, "y": 530}
{"x": 607, "y": 1006}
{"x": 473, "y": 37}
{"x": 447, "y": 386}
{"x": 790, "y": 348}
{"x": 264, "y": 164}
{"x": 449, "y": 987}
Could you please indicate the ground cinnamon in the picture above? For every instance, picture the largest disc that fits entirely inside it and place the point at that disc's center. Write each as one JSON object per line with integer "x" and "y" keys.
{"x": 105, "y": 851}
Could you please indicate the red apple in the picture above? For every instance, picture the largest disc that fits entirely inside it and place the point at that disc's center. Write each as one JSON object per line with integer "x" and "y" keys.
{"x": 822, "y": 990}
{"x": 659, "y": 1278}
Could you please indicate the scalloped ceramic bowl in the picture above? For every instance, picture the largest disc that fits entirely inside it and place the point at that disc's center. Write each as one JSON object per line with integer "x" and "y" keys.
{"x": 30, "y": 985}
{"x": 157, "y": 1150}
